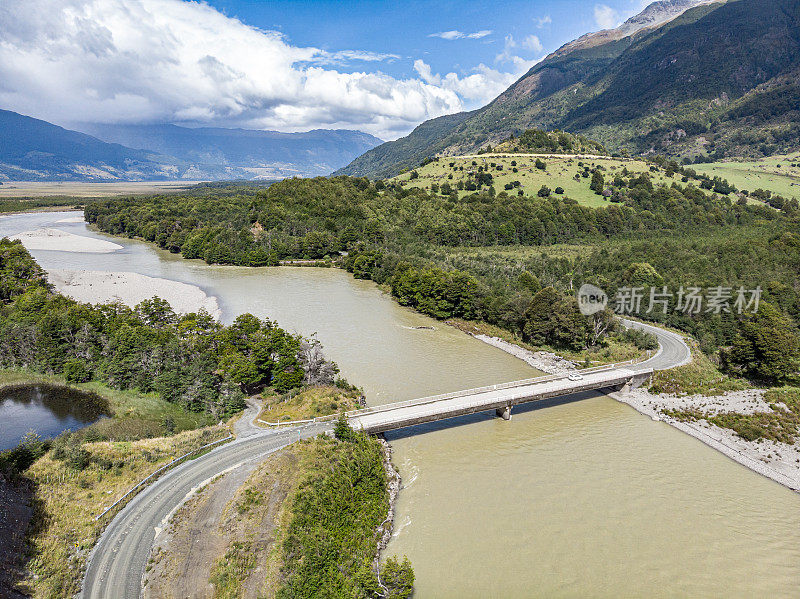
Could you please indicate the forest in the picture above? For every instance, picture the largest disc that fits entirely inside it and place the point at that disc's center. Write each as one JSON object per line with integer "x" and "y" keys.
{"x": 190, "y": 360}
{"x": 416, "y": 242}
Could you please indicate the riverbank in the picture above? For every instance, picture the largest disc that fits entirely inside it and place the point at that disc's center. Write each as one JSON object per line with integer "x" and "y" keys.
{"x": 546, "y": 361}
{"x": 777, "y": 461}
{"x": 130, "y": 288}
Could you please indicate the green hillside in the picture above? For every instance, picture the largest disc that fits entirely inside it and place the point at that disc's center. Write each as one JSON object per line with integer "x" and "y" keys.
{"x": 778, "y": 174}
{"x": 719, "y": 80}
{"x": 571, "y": 174}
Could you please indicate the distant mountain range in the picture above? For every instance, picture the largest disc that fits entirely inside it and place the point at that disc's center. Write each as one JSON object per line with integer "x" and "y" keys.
{"x": 35, "y": 150}
{"x": 685, "y": 78}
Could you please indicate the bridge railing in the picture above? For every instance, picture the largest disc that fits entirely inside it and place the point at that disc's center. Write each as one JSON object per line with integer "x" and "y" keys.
{"x": 476, "y": 390}
{"x": 451, "y": 395}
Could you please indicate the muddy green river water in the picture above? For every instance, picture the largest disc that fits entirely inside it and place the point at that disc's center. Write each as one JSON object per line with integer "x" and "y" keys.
{"x": 583, "y": 498}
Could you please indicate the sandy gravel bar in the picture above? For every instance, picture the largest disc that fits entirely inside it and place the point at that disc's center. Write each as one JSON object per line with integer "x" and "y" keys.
{"x": 130, "y": 288}
{"x": 55, "y": 239}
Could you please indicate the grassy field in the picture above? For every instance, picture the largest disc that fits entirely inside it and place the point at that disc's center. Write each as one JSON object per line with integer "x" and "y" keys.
{"x": 69, "y": 189}
{"x": 778, "y": 174}
{"x": 309, "y": 403}
{"x": 700, "y": 377}
{"x": 559, "y": 172}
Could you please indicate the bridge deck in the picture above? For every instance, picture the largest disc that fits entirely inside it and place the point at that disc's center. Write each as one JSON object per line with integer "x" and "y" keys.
{"x": 389, "y": 417}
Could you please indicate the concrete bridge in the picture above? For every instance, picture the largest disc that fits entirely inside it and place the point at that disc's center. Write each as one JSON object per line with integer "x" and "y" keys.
{"x": 500, "y": 398}
{"x": 118, "y": 562}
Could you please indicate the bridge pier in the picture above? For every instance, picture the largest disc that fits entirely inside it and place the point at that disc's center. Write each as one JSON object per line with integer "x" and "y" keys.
{"x": 504, "y": 413}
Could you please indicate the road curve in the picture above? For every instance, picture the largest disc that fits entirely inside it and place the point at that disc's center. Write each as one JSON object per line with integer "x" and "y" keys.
{"x": 118, "y": 561}
{"x": 672, "y": 351}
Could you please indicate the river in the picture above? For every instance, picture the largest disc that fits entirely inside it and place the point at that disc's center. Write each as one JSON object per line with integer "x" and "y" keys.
{"x": 577, "y": 499}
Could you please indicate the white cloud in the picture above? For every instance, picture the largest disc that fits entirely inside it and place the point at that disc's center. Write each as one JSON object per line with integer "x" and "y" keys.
{"x": 606, "y": 17}
{"x": 167, "y": 60}
{"x": 533, "y": 44}
{"x": 350, "y": 55}
{"x": 480, "y": 85}
{"x": 510, "y": 55}
{"x": 460, "y": 35}
{"x": 541, "y": 22}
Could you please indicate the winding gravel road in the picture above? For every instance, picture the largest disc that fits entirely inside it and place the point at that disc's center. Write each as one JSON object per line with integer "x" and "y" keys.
{"x": 117, "y": 563}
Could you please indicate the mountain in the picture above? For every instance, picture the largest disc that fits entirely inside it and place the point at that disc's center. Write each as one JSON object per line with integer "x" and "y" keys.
{"x": 686, "y": 78}
{"x": 35, "y": 150}
{"x": 245, "y": 152}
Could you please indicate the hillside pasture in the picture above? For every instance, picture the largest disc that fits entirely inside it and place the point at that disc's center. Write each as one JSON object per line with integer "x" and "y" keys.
{"x": 778, "y": 174}
{"x": 560, "y": 171}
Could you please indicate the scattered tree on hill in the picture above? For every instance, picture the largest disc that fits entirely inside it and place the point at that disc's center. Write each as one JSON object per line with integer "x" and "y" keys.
{"x": 598, "y": 183}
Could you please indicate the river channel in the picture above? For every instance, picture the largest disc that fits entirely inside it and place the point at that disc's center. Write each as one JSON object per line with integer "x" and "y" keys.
{"x": 584, "y": 498}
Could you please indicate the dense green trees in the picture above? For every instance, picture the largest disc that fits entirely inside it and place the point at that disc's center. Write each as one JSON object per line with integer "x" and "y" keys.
{"x": 18, "y": 272}
{"x": 553, "y": 319}
{"x": 190, "y": 359}
{"x": 438, "y": 293}
{"x": 330, "y": 543}
{"x": 537, "y": 140}
{"x": 766, "y": 346}
{"x": 646, "y": 236}
{"x": 314, "y": 218}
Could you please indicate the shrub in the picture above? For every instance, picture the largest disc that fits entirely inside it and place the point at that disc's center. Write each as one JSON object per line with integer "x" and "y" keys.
{"x": 76, "y": 371}
{"x": 17, "y": 460}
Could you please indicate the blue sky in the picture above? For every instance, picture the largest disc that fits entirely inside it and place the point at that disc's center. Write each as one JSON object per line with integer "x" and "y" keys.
{"x": 405, "y": 28}
{"x": 380, "y": 67}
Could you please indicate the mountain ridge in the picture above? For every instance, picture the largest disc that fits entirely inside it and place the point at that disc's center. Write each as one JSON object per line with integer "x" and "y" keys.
{"x": 668, "y": 88}
{"x": 36, "y": 150}
{"x": 310, "y": 153}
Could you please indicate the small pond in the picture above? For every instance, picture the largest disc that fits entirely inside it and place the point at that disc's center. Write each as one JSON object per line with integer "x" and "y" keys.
{"x": 47, "y": 410}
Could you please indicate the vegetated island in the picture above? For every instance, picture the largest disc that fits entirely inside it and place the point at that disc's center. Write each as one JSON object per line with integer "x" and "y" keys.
{"x": 167, "y": 378}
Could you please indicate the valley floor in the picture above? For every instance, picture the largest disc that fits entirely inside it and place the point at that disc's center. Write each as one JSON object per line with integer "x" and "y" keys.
{"x": 77, "y": 189}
